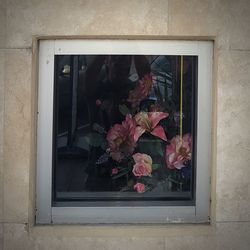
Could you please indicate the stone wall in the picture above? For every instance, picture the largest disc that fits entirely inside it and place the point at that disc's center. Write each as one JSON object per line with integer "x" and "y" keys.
{"x": 225, "y": 21}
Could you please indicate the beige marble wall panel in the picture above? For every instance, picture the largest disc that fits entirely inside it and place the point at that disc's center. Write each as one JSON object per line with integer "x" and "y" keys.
{"x": 16, "y": 237}
{"x": 233, "y": 152}
{"x": 1, "y": 236}
{"x": 17, "y": 134}
{"x": 2, "y": 59}
{"x": 191, "y": 242}
{"x": 2, "y": 23}
{"x": 83, "y": 17}
{"x": 111, "y": 243}
{"x": 228, "y": 20}
{"x": 121, "y": 231}
{"x": 233, "y": 236}
{"x": 239, "y": 28}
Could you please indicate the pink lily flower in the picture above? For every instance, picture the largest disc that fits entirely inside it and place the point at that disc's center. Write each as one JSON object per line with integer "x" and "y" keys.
{"x": 122, "y": 138}
{"x": 148, "y": 122}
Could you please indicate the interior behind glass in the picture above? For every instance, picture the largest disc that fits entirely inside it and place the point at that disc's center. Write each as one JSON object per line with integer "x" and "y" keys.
{"x": 124, "y": 129}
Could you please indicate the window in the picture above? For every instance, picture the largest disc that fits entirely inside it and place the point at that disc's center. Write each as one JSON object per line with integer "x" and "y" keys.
{"x": 124, "y": 131}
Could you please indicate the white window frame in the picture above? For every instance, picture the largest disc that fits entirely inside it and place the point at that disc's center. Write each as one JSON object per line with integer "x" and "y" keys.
{"x": 45, "y": 212}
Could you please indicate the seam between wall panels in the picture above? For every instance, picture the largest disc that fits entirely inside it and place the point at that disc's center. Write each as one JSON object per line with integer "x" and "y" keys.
{"x": 168, "y": 17}
{"x": 9, "y": 49}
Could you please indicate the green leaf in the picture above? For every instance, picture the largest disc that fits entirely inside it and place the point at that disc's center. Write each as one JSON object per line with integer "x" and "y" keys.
{"x": 130, "y": 183}
{"x": 83, "y": 142}
{"x": 156, "y": 166}
{"x": 124, "y": 109}
{"x": 119, "y": 175}
{"x": 96, "y": 140}
{"x": 98, "y": 128}
{"x": 153, "y": 147}
{"x": 158, "y": 149}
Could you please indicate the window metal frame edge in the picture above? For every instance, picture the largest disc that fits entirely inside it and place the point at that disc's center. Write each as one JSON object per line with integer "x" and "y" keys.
{"x": 45, "y": 213}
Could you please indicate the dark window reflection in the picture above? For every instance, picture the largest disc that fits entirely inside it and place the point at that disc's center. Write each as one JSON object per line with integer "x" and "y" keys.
{"x": 124, "y": 127}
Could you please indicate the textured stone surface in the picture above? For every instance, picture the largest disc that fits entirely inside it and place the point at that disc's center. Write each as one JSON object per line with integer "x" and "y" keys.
{"x": 17, "y": 134}
{"x": 16, "y": 237}
{"x": 233, "y": 152}
{"x": 1, "y": 236}
{"x": 2, "y": 23}
{"x": 2, "y": 58}
{"x": 99, "y": 243}
{"x": 120, "y": 231}
{"x": 83, "y": 17}
{"x": 227, "y": 20}
{"x": 233, "y": 236}
{"x": 196, "y": 242}
{"x": 239, "y": 30}
{"x": 200, "y": 18}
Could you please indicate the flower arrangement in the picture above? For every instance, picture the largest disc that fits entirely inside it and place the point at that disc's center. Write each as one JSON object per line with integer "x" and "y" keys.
{"x": 139, "y": 149}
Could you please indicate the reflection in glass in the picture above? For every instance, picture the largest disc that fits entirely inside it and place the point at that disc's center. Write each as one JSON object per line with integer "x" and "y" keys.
{"x": 124, "y": 127}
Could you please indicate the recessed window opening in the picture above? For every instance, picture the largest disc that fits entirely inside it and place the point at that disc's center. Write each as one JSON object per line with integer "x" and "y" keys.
{"x": 121, "y": 130}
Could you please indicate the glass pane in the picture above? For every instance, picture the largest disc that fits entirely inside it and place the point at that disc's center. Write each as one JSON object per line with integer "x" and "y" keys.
{"x": 124, "y": 128}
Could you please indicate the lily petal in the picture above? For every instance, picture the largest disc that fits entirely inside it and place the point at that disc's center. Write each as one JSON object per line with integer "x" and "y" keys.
{"x": 138, "y": 132}
{"x": 156, "y": 117}
{"x": 142, "y": 119}
{"x": 159, "y": 132}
